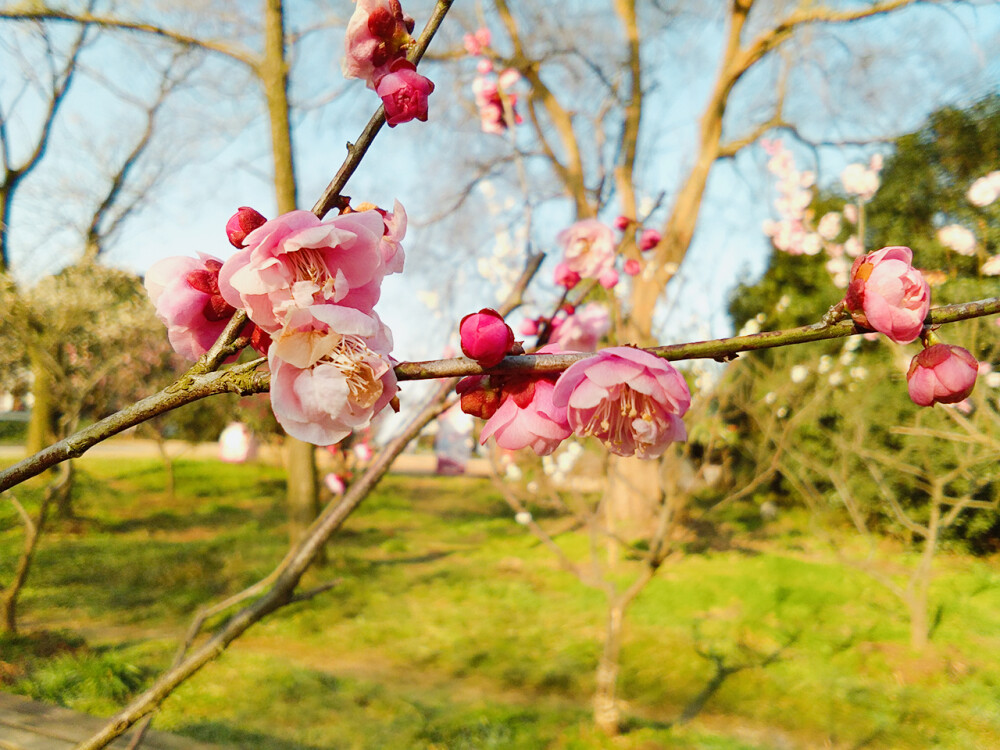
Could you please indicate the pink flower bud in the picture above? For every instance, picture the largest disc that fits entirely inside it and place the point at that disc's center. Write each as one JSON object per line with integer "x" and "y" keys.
{"x": 244, "y": 221}
{"x": 529, "y": 327}
{"x": 622, "y": 222}
{"x": 887, "y": 294}
{"x": 941, "y": 374}
{"x": 566, "y": 277}
{"x": 608, "y": 279}
{"x": 484, "y": 66}
{"x": 404, "y": 93}
{"x": 649, "y": 239}
{"x": 632, "y": 267}
{"x": 485, "y": 336}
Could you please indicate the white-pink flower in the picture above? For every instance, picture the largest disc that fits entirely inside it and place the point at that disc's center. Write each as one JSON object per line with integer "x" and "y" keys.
{"x": 298, "y": 261}
{"x": 957, "y": 238}
{"x": 859, "y": 180}
{"x": 627, "y": 398}
{"x": 829, "y": 226}
{"x": 985, "y": 190}
{"x": 991, "y": 267}
{"x": 589, "y": 250}
{"x": 336, "y": 395}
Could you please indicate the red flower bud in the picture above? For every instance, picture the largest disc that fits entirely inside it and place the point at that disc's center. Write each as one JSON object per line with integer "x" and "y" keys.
{"x": 649, "y": 239}
{"x": 244, "y": 221}
{"x": 478, "y": 398}
{"x": 485, "y": 336}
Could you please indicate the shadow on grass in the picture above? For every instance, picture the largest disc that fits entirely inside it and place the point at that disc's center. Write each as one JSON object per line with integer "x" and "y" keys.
{"x": 219, "y": 733}
{"x": 213, "y": 518}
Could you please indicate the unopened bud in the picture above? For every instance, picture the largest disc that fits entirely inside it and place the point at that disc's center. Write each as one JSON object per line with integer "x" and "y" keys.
{"x": 244, "y": 221}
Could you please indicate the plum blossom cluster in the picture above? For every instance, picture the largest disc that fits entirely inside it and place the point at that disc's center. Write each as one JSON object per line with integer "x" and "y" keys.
{"x": 309, "y": 288}
{"x": 495, "y": 99}
{"x": 378, "y": 37}
{"x": 591, "y": 249}
{"x": 962, "y": 240}
{"x": 630, "y": 400}
{"x": 795, "y": 232}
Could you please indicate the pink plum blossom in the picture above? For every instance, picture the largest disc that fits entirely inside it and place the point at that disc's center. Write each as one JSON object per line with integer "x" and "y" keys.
{"x": 958, "y": 238}
{"x": 627, "y": 398}
{"x": 298, "y": 261}
{"x": 887, "y": 294}
{"x": 497, "y": 104}
{"x": 486, "y": 338}
{"x": 583, "y": 329}
{"x": 941, "y": 374}
{"x": 632, "y": 267}
{"x": 528, "y": 327}
{"x": 378, "y": 34}
{"x": 526, "y": 416}
{"x": 241, "y": 223}
{"x": 404, "y": 93}
{"x": 338, "y": 394}
{"x": 335, "y": 483}
{"x": 588, "y": 248}
{"x": 392, "y": 237}
{"x": 565, "y": 276}
{"x": 185, "y": 293}
{"x": 475, "y": 42}
{"x": 649, "y": 239}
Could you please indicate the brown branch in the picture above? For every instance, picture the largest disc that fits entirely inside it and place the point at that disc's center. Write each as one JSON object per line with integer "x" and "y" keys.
{"x": 233, "y": 52}
{"x": 780, "y": 32}
{"x": 199, "y": 382}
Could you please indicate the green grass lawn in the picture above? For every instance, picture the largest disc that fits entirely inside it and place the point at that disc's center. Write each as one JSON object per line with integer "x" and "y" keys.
{"x": 451, "y": 627}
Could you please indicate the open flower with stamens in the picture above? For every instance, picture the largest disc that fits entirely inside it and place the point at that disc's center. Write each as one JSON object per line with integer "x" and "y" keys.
{"x": 629, "y": 399}
{"x": 297, "y": 261}
{"x": 340, "y": 392}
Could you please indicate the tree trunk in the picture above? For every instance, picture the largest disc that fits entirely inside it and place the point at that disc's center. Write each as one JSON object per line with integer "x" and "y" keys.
{"x": 32, "y": 533}
{"x": 303, "y": 487}
{"x": 41, "y": 426}
{"x": 607, "y": 716}
{"x": 168, "y": 467}
{"x": 917, "y": 599}
{"x": 63, "y": 493}
{"x": 633, "y": 488}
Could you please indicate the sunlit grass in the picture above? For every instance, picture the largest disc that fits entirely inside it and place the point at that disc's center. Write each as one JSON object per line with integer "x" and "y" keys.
{"x": 450, "y": 627}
